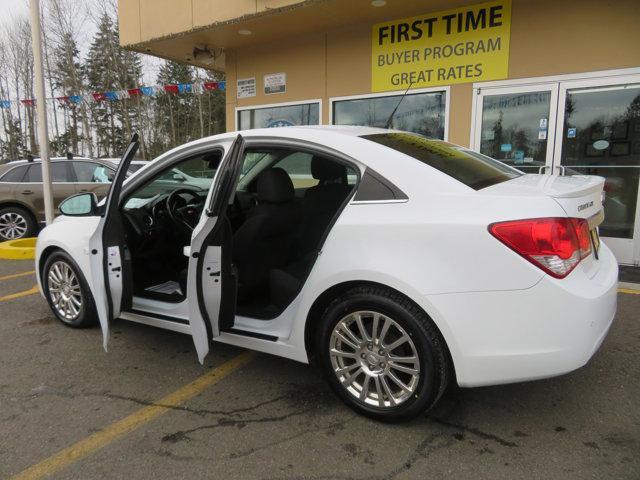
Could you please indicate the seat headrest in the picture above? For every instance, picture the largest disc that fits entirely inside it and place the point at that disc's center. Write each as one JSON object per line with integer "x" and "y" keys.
{"x": 324, "y": 170}
{"x": 274, "y": 186}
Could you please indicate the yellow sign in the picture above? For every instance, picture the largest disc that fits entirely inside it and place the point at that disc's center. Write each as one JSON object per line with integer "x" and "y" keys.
{"x": 468, "y": 44}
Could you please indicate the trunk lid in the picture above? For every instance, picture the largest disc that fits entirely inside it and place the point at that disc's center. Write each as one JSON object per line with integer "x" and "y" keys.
{"x": 580, "y": 196}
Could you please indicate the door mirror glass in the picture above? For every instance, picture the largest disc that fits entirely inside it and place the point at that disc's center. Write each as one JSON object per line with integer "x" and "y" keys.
{"x": 83, "y": 204}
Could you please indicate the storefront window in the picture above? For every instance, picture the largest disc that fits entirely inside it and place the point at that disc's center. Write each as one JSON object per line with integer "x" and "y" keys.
{"x": 601, "y": 136}
{"x": 283, "y": 116}
{"x": 514, "y": 129}
{"x": 422, "y": 113}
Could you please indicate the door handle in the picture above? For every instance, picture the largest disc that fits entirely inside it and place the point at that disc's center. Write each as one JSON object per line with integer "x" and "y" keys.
{"x": 27, "y": 192}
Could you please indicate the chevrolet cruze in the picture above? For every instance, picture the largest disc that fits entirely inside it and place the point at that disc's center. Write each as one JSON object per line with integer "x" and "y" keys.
{"x": 398, "y": 263}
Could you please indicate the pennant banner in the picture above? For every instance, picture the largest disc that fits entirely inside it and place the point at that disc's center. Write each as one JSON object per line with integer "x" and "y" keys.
{"x": 114, "y": 95}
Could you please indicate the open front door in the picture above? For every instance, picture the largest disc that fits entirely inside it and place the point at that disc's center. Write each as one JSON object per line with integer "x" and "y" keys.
{"x": 211, "y": 282}
{"x": 111, "y": 275}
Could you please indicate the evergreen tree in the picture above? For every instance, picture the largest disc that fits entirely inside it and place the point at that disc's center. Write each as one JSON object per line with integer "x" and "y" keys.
{"x": 110, "y": 68}
{"x": 67, "y": 78}
{"x": 176, "y": 115}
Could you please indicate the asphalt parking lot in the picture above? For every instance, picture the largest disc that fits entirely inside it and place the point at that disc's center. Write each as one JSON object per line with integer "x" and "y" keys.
{"x": 147, "y": 409}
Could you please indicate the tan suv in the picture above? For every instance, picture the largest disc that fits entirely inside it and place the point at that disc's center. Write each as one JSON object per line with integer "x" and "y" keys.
{"x": 21, "y": 195}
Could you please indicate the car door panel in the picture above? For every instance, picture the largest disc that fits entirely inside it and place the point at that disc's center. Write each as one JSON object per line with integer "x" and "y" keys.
{"x": 31, "y": 191}
{"x": 111, "y": 272}
{"x": 211, "y": 284}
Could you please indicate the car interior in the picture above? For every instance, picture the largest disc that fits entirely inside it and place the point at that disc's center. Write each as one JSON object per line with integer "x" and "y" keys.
{"x": 284, "y": 204}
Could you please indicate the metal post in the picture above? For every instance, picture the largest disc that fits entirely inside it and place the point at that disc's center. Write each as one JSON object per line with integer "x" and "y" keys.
{"x": 41, "y": 107}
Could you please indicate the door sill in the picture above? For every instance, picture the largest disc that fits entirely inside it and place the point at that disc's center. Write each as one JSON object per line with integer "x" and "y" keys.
{"x": 246, "y": 333}
{"x": 157, "y": 320}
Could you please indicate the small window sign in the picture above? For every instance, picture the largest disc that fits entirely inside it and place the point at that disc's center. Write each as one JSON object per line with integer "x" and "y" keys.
{"x": 275, "y": 83}
{"x": 246, "y": 87}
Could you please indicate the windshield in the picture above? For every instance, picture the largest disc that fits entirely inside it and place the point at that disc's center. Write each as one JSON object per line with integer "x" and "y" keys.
{"x": 195, "y": 173}
{"x": 471, "y": 168}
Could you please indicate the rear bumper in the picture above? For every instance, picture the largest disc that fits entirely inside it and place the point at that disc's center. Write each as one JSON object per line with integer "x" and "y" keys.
{"x": 549, "y": 329}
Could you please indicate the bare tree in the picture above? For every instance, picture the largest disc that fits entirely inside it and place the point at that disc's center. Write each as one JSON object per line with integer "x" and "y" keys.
{"x": 64, "y": 18}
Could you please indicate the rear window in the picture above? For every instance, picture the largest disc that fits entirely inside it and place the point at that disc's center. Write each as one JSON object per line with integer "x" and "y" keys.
{"x": 473, "y": 169}
{"x": 59, "y": 173}
{"x": 14, "y": 175}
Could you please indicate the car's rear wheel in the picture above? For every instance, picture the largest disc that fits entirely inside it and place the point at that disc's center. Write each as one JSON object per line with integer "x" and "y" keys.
{"x": 15, "y": 223}
{"x": 67, "y": 291}
{"x": 382, "y": 354}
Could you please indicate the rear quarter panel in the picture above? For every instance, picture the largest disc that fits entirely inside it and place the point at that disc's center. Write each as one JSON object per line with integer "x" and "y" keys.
{"x": 433, "y": 244}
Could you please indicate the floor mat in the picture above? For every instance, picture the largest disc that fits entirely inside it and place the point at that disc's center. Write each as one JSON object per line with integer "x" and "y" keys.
{"x": 169, "y": 288}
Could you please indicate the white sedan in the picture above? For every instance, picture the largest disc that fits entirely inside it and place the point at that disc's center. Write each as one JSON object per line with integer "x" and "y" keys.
{"x": 400, "y": 264}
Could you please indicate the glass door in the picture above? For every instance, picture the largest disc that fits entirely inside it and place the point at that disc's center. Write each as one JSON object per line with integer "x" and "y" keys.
{"x": 600, "y": 135}
{"x": 516, "y": 125}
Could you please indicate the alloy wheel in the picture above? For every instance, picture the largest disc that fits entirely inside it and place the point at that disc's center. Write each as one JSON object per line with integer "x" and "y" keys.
{"x": 374, "y": 359}
{"x": 12, "y": 225}
{"x": 64, "y": 291}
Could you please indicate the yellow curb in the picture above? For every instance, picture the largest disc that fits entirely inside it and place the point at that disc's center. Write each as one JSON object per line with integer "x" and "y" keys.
{"x": 629, "y": 290}
{"x": 21, "y": 249}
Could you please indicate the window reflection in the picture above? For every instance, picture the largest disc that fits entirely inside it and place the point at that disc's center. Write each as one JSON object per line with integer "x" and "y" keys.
{"x": 601, "y": 136}
{"x": 515, "y": 129}
{"x": 422, "y": 113}
{"x": 285, "y": 116}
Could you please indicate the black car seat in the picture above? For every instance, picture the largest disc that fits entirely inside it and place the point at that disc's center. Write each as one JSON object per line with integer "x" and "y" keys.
{"x": 265, "y": 239}
{"x": 321, "y": 202}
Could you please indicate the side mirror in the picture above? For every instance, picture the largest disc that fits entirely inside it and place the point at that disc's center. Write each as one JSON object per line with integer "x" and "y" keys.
{"x": 178, "y": 177}
{"x": 80, "y": 205}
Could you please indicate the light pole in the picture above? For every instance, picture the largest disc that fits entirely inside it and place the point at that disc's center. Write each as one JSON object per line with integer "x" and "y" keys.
{"x": 41, "y": 109}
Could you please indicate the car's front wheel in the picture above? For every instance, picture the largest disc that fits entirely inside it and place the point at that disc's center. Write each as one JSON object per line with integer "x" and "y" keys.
{"x": 15, "y": 223}
{"x": 382, "y": 354}
{"x": 67, "y": 291}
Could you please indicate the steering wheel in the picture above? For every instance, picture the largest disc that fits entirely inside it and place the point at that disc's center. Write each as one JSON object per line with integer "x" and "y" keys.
{"x": 183, "y": 213}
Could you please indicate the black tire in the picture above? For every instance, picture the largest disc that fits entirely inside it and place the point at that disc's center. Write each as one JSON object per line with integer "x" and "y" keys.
{"x": 87, "y": 315}
{"x": 22, "y": 218}
{"x": 435, "y": 369}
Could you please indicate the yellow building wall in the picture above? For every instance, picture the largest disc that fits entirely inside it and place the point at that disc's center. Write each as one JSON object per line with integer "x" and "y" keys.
{"x": 548, "y": 37}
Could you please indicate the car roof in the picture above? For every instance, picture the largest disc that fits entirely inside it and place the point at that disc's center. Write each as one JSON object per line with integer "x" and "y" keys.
{"x": 53, "y": 159}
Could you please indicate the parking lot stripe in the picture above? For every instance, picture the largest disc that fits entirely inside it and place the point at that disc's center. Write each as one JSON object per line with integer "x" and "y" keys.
{"x": 16, "y": 275}
{"x": 116, "y": 430}
{"x": 24, "y": 293}
{"x": 629, "y": 290}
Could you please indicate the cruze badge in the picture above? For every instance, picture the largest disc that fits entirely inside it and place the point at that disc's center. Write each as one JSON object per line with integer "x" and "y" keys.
{"x": 584, "y": 206}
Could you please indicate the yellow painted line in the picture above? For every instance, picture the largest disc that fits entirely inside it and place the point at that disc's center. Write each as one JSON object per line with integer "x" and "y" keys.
{"x": 16, "y": 275}
{"x": 629, "y": 290}
{"x": 120, "y": 428}
{"x": 25, "y": 293}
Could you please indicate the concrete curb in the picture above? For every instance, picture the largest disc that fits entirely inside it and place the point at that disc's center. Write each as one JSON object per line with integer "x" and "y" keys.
{"x": 21, "y": 249}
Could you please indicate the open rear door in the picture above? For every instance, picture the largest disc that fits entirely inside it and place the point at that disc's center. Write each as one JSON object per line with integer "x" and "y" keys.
{"x": 211, "y": 282}
{"x": 111, "y": 275}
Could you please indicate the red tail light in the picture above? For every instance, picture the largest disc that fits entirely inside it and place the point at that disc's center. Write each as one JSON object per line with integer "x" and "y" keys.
{"x": 556, "y": 245}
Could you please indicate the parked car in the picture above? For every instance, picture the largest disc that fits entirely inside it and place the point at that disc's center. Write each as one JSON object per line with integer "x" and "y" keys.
{"x": 408, "y": 264}
{"x": 21, "y": 194}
